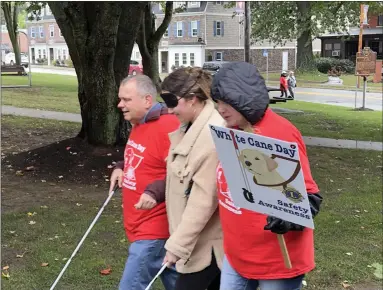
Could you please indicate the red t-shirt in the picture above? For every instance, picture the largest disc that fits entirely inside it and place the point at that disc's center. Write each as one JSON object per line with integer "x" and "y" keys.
{"x": 253, "y": 252}
{"x": 144, "y": 163}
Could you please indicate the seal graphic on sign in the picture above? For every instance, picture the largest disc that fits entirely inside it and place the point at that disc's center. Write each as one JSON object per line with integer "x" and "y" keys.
{"x": 264, "y": 172}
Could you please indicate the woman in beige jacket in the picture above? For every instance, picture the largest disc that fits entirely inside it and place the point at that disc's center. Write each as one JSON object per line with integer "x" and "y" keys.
{"x": 195, "y": 243}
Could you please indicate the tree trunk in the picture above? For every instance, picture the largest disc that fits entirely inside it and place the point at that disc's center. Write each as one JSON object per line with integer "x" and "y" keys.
{"x": 305, "y": 61}
{"x": 10, "y": 10}
{"x": 148, "y": 40}
{"x": 100, "y": 37}
{"x": 150, "y": 65}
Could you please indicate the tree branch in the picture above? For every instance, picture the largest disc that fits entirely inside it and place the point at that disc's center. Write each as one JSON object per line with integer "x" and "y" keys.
{"x": 141, "y": 39}
{"x": 165, "y": 22}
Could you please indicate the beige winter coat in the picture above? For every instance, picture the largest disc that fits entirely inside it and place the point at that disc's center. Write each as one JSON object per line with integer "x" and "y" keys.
{"x": 193, "y": 218}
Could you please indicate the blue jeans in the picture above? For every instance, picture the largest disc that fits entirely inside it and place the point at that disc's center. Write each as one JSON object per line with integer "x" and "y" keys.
{"x": 231, "y": 280}
{"x": 143, "y": 263}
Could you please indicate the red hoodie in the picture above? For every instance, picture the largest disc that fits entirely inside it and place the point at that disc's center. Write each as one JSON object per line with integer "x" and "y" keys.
{"x": 252, "y": 251}
{"x": 283, "y": 83}
{"x": 144, "y": 163}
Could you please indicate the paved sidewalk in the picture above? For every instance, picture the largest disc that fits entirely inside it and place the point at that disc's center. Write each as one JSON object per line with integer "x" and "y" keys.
{"x": 311, "y": 141}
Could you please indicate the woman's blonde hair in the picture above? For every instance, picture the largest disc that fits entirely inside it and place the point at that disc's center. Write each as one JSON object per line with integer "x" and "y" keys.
{"x": 188, "y": 82}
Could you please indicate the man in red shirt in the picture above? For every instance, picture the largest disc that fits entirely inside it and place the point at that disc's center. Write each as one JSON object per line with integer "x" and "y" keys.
{"x": 252, "y": 255}
{"x": 143, "y": 168}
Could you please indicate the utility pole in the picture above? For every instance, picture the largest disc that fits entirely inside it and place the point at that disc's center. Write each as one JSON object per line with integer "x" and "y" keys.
{"x": 247, "y": 31}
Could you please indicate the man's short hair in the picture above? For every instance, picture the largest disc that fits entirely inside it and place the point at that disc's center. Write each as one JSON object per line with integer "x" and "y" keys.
{"x": 144, "y": 84}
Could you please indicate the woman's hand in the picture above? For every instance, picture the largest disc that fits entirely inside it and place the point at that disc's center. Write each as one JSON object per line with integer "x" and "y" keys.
{"x": 170, "y": 259}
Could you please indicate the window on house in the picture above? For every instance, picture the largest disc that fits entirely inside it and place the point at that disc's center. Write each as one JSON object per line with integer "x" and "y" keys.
{"x": 218, "y": 28}
{"x": 51, "y": 30}
{"x": 191, "y": 59}
{"x": 64, "y": 53}
{"x": 41, "y": 31}
{"x": 194, "y": 4}
{"x": 184, "y": 59}
{"x": 33, "y": 32}
{"x": 61, "y": 35}
{"x": 218, "y": 56}
{"x": 218, "y": 2}
{"x": 44, "y": 54}
{"x": 177, "y": 59}
{"x": 179, "y": 29}
{"x": 39, "y": 53}
{"x": 138, "y": 56}
{"x": 336, "y": 46}
{"x": 59, "y": 54}
{"x": 166, "y": 34}
{"x": 194, "y": 28}
{"x": 328, "y": 46}
{"x": 380, "y": 20}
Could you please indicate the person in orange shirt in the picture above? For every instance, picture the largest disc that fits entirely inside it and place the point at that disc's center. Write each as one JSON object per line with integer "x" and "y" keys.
{"x": 252, "y": 256}
{"x": 143, "y": 168}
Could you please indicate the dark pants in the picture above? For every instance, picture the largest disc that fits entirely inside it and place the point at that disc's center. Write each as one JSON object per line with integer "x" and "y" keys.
{"x": 208, "y": 278}
{"x": 283, "y": 92}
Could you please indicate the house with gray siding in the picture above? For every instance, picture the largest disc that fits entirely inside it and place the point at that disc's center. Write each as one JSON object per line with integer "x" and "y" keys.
{"x": 208, "y": 31}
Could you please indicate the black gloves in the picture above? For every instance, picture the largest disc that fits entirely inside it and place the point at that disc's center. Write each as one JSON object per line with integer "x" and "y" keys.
{"x": 279, "y": 226}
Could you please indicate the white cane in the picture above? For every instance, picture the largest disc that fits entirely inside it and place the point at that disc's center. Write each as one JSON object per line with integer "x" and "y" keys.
{"x": 158, "y": 274}
{"x": 84, "y": 237}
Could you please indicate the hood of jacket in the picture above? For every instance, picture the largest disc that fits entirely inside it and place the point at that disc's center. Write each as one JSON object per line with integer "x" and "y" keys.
{"x": 240, "y": 85}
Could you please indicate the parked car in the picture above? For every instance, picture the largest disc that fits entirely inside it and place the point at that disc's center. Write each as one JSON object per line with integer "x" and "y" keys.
{"x": 135, "y": 68}
{"x": 9, "y": 59}
{"x": 213, "y": 66}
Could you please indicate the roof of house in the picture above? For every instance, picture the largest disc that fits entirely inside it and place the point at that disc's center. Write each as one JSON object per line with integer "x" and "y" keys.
{"x": 354, "y": 31}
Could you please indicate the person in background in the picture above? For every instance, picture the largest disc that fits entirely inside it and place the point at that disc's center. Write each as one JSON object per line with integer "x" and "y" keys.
{"x": 195, "y": 244}
{"x": 283, "y": 84}
{"x": 252, "y": 255}
{"x": 144, "y": 166}
{"x": 292, "y": 84}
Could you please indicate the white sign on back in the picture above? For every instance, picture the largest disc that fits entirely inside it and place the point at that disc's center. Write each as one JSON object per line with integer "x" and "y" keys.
{"x": 263, "y": 174}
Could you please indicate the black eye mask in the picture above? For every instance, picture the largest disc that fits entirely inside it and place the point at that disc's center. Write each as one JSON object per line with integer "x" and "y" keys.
{"x": 171, "y": 100}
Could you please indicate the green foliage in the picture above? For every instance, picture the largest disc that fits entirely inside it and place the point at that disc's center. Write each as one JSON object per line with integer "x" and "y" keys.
{"x": 324, "y": 64}
{"x": 284, "y": 22}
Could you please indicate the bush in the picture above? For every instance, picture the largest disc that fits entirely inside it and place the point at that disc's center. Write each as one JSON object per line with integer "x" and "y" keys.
{"x": 347, "y": 66}
{"x": 325, "y": 64}
{"x": 69, "y": 62}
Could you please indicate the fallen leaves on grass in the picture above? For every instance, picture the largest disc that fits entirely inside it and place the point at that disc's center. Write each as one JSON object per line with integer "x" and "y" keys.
{"x": 19, "y": 173}
{"x": 30, "y": 168}
{"x": 44, "y": 264}
{"x": 346, "y": 285}
{"x": 43, "y": 206}
{"x": 32, "y": 222}
{"x": 378, "y": 270}
{"x": 6, "y": 267}
{"x": 31, "y": 213}
{"x": 106, "y": 271}
{"x": 349, "y": 254}
{"x": 5, "y": 274}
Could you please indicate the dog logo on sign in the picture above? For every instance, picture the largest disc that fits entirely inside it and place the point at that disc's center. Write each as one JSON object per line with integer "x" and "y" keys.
{"x": 264, "y": 172}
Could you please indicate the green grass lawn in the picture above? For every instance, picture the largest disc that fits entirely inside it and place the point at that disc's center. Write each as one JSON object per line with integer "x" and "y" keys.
{"x": 334, "y": 121}
{"x": 48, "y": 92}
{"x": 317, "y": 80}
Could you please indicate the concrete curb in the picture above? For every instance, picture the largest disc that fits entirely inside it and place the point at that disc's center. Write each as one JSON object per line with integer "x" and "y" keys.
{"x": 310, "y": 141}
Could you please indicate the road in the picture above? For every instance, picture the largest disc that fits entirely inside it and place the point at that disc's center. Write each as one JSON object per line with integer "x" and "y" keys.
{"x": 321, "y": 96}
{"x": 338, "y": 98}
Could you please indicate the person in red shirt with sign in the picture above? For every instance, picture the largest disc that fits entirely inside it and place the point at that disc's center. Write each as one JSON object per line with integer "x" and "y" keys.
{"x": 144, "y": 166}
{"x": 252, "y": 254}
